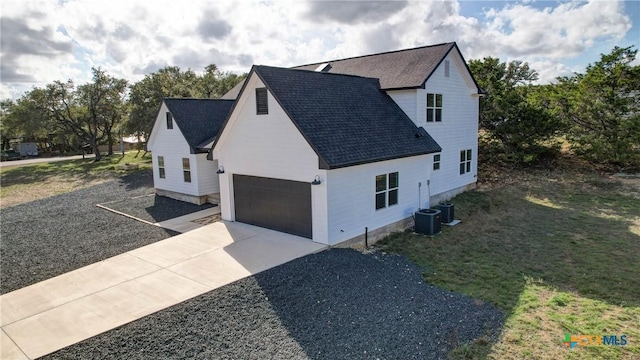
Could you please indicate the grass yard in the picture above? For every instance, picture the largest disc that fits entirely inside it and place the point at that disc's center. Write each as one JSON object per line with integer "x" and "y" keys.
{"x": 558, "y": 251}
{"x": 22, "y": 184}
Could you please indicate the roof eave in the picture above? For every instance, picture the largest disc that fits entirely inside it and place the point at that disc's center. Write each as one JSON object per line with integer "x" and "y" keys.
{"x": 371, "y": 161}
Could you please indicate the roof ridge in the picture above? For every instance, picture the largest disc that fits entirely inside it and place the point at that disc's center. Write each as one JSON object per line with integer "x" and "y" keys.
{"x": 321, "y": 72}
{"x": 193, "y": 98}
{"x": 376, "y": 54}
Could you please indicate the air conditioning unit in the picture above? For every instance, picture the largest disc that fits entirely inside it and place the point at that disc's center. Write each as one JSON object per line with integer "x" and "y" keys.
{"x": 427, "y": 221}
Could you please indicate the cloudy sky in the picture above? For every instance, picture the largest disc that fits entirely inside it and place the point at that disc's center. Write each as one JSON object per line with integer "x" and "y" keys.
{"x": 47, "y": 40}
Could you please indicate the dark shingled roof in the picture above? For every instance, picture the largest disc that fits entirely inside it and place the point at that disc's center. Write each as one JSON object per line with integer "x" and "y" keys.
{"x": 199, "y": 120}
{"x": 400, "y": 69}
{"x": 346, "y": 119}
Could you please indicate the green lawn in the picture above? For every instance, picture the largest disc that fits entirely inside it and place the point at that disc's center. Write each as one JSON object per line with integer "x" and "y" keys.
{"x": 559, "y": 252}
{"x": 20, "y": 184}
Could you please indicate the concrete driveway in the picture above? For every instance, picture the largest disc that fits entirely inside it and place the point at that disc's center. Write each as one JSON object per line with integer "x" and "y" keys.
{"x": 69, "y": 308}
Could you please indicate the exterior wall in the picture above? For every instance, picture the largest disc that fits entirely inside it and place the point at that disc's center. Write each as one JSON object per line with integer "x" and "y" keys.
{"x": 207, "y": 179}
{"x": 407, "y": 101}
{"x": 171, "y": 144}
{"x": 268, "y": 146}
{"x": 351, "y": 196}
{"x": 458, "y": 129}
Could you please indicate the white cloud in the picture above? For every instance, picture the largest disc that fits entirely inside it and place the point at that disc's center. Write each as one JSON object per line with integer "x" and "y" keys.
{"x": 135, "y": 37}
{"x": 560, "y": 32}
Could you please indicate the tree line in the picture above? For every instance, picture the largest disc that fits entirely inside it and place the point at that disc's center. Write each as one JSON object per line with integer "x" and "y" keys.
{"x": 65, "y": 116}
{"x": 595, "y": 114}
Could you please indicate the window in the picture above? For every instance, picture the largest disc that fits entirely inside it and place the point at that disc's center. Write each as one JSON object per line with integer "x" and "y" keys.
{"x": 434, "y": 107}
{"x": 161, "y": 167}
{"x": 436, "y": 162}
{"x": 262, "y": 101}
{"x": 386, "y": 190}
{"x": 465, "y": 161}
{"x": 446, "y": 68}
{"x": 169, "y": 121}
{"x": 186, "y": 170}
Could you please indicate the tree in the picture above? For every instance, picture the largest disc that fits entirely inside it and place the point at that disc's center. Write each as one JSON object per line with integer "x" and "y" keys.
{"x": 24, "y": 118}
{"x": 88, "y": 111}
{"x": 602, "y": 107}
{"x": 513, "y": 111}
{"x": 147, "y": 94}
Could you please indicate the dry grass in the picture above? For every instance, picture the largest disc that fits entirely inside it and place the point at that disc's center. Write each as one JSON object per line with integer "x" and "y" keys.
{"x": 557, "y": 249}
{"x": 22, "y": 184}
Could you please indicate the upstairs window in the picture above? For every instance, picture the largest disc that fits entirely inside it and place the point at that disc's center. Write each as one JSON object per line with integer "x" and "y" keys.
{"x": 161, "y": 167}
{"x": 446, "y": 68}
{"x": 386, "y": 190}
{"x": 436, "y": 162}
{"x": 262, "y": 101}
{"x": 434, "y": 107}
{"x": 465, "y": 161}
{"x": 169, "y": 121}
{"x": 186, "y": 170}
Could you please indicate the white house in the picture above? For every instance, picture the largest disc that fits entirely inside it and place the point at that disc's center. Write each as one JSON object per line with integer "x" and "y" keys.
{"x": 181, "y": 137}
{"x": 434, "y": 87}
{"x": 344, "y": 149}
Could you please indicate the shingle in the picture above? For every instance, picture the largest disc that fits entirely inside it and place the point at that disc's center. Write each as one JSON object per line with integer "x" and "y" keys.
{"x": 408, "y": 68}
{"x": 348, "y": 120}
{"x": 199, "y": 120}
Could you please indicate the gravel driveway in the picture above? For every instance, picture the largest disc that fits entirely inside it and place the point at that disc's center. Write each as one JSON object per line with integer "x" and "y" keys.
{"x": 49, "y": 237}
{"x": 337, "y": 304}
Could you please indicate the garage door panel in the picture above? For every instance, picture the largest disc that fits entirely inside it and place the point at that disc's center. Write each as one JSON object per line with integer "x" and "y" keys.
{"x": 276, "y": 204}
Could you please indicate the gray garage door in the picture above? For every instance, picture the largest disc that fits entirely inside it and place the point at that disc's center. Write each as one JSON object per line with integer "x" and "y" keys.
{"x": 281, "y": 205}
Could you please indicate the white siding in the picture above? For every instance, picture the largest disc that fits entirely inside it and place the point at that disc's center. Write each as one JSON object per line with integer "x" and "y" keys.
{"x": 268, "y": 146}
{"x": 459, "y": 127}
{"x": 407, "y": 101}
{"x": 208, "y": 180}
{"x": 351, "y": 196}
{"x": 171, "y": 144}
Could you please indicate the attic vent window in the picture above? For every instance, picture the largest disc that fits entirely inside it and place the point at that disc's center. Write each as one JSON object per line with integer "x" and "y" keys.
{"x": 262, "y": 104}
{"x": 169, "y": 121}
{"x": 446, "y": 68}
{"x": 323, "y": 67}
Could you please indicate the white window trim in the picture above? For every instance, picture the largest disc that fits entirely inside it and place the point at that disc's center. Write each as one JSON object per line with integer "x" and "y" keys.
{"x": 435, "y": 107}
{"x": 388, "y": 190}
{"x": 465, "y": 161}
{"x": 162, "y": 172}
{"x": 185, "y": 170}
{"x": 437, "y": 162}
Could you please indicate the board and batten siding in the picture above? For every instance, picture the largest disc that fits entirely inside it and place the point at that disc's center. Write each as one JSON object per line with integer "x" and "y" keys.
{"x": 351, "y": 196}
{"x": 171, "y": 144}
{"x": 268, "y": 146}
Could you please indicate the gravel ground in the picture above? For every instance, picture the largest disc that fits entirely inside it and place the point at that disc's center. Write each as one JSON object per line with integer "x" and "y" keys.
{"x": 155, "y": 208}
{"x": 337, "y": 304}
{"x": 49, "y": 237}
